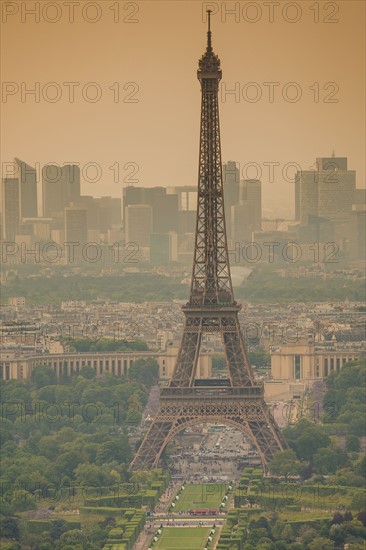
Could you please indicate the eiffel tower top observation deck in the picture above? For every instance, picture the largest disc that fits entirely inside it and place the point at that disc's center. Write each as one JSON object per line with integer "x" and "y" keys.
{"x": 209, "y": 64}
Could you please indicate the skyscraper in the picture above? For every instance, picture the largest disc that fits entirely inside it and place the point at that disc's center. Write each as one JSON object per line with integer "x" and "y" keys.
{"x": 28, "y": 189}
{"x": 76, "y": 228}
{"x": 60, "y": 188}
{"x": 243, "y": 222}
{"x": 358, "y": 232}
{"x": 164, "y": 209}
{"x": 163, "y": 248}
{"x": 139, "y": 224}
{"x": 231, "y": 181}
{"x": 109, "y": 212}
{"x": 250, "y": 194}
{"x": 246, "y": 216}
{"x": 327, "y": 192}
{"x": 10, "y": 199}
{"x": 91, "y": 206}
{"x": 164, "y": 206}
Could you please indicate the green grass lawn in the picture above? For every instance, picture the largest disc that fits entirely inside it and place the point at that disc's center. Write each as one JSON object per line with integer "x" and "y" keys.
{"x": 200, "y": 495}
{"x": 189, "y": 538}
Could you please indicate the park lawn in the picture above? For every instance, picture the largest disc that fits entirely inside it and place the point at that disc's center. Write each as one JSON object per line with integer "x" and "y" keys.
{"x": 200, "y": 495}
{"x": 189, "y": 538}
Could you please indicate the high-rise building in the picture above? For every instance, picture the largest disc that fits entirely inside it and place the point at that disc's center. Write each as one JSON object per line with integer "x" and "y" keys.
{"x": 187, "y": 207}
{"x": 358, "y": 232}
{"x": 306, "y": 195}
{"x": 243, "y": 222}
{"x": 163, "y": 247}
{"x": 10, "y": 200}
{"x": 164, "y": 209}
{"x": 231, "y": 181}
{"x": 327, "y": 192}
{"x": 109, "y": 213}
{"x": 360, "y": 196}
{"x": 186, "y": 222}
{"x": 247, "y": 215}
{"x": 164, "y": 206}
{"x": 60, "y": 188}
{"x": 76, "y": 228}
{"x": 28, "y": 189}
{"x": 139, "y": 224}
{"x": 316, "y": 230}
{"x": 250, "y": 194}
{"x": 187, "y": 196}
{"x": 131, "y": 195}
{"x": 91, "y": 206}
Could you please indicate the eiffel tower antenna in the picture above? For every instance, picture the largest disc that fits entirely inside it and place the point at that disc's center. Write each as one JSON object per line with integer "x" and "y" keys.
{"x": 209, "y": 45}
{"x": 237, "y": 400}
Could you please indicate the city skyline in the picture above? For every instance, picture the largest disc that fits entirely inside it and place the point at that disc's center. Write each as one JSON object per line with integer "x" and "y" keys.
{"x": 118, "y": 134}
{"x": 183, "y": 362}
{"x": 56, "y": 174}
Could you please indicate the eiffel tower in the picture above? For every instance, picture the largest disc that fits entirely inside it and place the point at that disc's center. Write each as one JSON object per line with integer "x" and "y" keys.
{"x": 238, "y": 400}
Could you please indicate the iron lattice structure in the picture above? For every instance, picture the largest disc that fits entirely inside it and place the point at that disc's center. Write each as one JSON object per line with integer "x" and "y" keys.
{"x": 211, "y": 308}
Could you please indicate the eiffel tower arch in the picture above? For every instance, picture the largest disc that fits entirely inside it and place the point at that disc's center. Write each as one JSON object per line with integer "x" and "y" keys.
{"x": 237, "y": 400}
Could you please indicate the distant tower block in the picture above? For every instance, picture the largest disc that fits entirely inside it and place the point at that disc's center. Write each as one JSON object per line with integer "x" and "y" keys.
{"x": 237, "y": 400}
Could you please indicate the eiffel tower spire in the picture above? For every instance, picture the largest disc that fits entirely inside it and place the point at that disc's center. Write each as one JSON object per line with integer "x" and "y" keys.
{"x": 209, "y": 45}
{"x": 211, "y": 307}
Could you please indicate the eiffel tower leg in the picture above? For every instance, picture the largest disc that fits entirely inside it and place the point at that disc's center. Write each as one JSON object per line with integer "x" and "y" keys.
{"x": 267, "y": 438}
{"x": 152, "y": 446}
{"x": 186, "y": 365}
{"x": 258, "y": 425}
{"x": 169, "y": 421}
{"x": 239, "y": 368}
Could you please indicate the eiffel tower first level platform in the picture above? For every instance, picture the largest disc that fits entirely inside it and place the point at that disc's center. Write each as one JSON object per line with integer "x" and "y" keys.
{"x": 237, "y": 400}
{"x": 180, "y": 408}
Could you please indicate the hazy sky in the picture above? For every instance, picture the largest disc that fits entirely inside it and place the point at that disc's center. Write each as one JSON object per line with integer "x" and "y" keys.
{"x": 150, "y": 55}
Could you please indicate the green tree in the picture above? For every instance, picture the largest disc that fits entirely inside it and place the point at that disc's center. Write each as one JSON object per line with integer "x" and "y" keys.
{"x": 59, "y": 526}
{"x": 67, "y": 462}
{"x": 255, "y": 535}
{"x": 307, "y": 534}
{"x": 117, "y": 449}
{"x": 361, "y": 466}
{"x": 321, "y": 543}
{"x": 306, "y": 438}
{"x": 87, "y": 372}
{"x": 287, "y": 533}
{"x": 23, "y": 500}
{"x": 285, "y": 463}
{"x": 328, "y": 460}
{"x": 9, "y": 527}
{"x": 353, "y": 443}
{"x": 91, "y": 475}
{"x": 74, "y": 538}
{"x": 43, "y": 376}
{"x": 144, "y": 371}
{"x": 358, "y": 501}
{"x": 336, "y": 533}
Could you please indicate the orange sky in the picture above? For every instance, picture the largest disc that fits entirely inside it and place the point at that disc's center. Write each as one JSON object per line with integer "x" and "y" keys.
{"x": 159, "y": 52}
